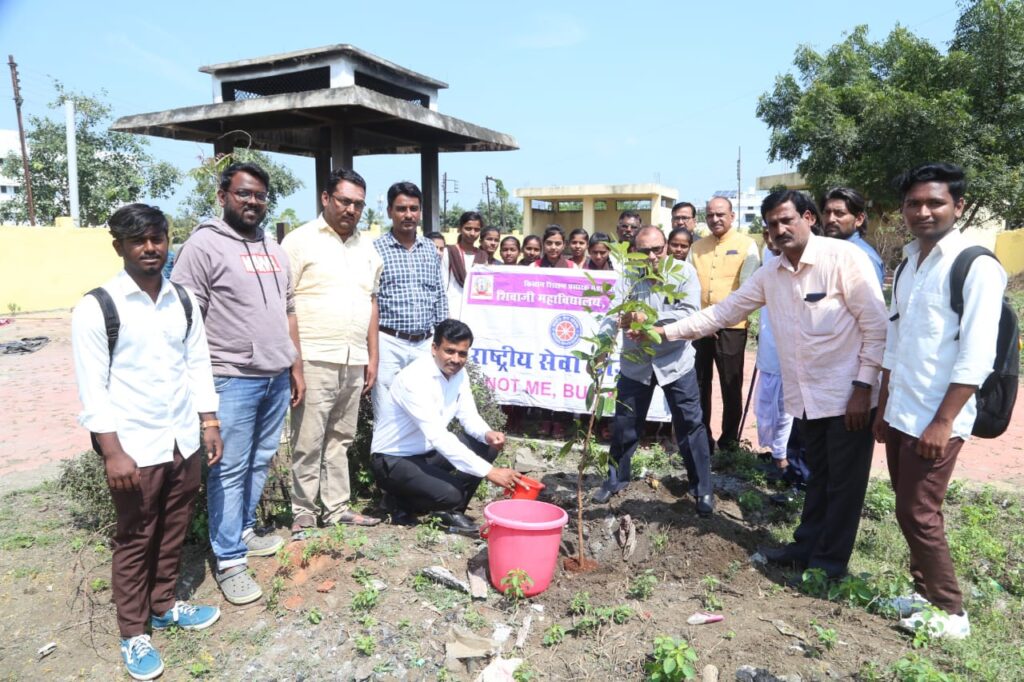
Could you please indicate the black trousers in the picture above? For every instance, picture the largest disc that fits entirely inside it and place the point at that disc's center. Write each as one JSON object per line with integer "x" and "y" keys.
{"x": 840, "y": 464}
{"x": 632, "y": 403}
{"x": 725, "y": 353}
{"x": 429, "y": 482}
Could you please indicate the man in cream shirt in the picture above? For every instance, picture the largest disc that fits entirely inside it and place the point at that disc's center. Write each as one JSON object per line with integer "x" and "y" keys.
{"x": 335, "y": 272}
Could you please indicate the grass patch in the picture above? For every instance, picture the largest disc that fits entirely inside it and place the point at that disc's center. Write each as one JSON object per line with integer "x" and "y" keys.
{"x": 986, "y": 540}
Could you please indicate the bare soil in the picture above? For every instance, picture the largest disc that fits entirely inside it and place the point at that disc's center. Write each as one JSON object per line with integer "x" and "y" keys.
{"x": 53, "y": 588}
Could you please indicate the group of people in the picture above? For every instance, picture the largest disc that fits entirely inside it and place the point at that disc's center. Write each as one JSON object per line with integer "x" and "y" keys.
{"x": 247, "y": 328}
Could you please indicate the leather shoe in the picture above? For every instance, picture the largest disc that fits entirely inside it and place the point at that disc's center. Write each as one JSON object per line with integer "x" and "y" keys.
{"x": 601, "y": 495}
{"x": 706, "y": 504}
{"x": 457, "y": 523}
{"x": 781, "y": 556}
{"x": 397, "y": 516}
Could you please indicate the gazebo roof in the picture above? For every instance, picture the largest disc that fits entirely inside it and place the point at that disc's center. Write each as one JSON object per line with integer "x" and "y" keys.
{"x": 292, "y": 123}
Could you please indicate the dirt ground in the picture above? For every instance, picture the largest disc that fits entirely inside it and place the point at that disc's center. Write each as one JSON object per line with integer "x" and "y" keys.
{"x": 54, "y": 579}
{"x": 54, "y": 588}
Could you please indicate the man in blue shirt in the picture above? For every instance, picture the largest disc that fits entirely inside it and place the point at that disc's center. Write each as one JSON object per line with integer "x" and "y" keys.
{"x": 411, "y": 297}
{"x": 844, "y": 216}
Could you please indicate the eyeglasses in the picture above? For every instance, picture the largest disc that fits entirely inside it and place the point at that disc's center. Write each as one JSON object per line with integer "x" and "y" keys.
{"x": 650, "y": 250}
{"x": 246, "y": 194}
{"x": 348, "y": 203}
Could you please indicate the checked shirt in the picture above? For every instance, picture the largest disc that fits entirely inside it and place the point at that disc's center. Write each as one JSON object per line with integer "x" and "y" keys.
{"x": 411, "y": 297}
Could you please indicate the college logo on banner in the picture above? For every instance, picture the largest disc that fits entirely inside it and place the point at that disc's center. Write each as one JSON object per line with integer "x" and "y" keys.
{"x": 566, "y": 330}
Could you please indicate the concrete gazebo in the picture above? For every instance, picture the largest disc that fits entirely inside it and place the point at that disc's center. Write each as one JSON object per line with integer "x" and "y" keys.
{"x": 331, "y": 103}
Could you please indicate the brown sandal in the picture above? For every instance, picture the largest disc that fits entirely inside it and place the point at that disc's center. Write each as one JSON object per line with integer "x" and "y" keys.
{"x": 351, "y": 518}
{"x": 301, "y": 524}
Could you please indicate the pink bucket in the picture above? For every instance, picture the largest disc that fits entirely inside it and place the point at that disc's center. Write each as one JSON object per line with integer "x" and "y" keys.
{"x": 526, "y": 535}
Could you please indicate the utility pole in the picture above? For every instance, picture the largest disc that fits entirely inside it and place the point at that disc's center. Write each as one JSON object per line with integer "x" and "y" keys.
{"x": 487, "y": 191}
{"x": 21, "y": 134}
{"x": 444, "y": 194}
{"x": 69, "y": 124}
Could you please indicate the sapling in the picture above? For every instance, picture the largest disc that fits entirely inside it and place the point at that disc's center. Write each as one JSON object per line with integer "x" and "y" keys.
{"x": 636, "y": 317}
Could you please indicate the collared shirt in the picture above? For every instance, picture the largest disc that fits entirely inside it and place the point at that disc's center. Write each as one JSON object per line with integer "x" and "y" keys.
{"x": 876, "y": 261}
{"x": 411, "y": 297}
{"x": 671, "y": 359}
{"x": 416, "y": 412}
{"x": 922, "y": 351}
{"x": 152, "y": 392}
{"x": 723, "y": 264}
{"x": 829, "y": 319}
{"x": 335, "y": 281}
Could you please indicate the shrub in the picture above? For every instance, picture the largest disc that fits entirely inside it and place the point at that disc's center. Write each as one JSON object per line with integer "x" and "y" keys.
{"x": 83, "y": 480}
{"x": 880, "y": 500}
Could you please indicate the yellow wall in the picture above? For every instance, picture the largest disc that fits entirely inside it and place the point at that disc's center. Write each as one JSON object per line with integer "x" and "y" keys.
{"x": 44, "y": 268}
{"x": 1010, "y": 251}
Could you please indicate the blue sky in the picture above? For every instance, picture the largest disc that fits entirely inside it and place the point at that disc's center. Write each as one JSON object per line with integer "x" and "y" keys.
{"x": 594, "y": 92}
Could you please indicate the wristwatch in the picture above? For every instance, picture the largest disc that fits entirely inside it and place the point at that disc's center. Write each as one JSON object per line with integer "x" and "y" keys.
{"x": 210, "y": 422}
{"x": 861, "y": 384}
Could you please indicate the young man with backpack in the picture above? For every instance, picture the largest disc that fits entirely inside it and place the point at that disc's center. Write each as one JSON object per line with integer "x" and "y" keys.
{"x": 935, "y": 361}
{"x": 146, "y": 386}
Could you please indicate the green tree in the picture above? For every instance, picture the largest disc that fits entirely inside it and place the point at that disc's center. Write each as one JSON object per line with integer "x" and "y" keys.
{"x": 113, "y": 168}
{"x": 370, "y": 218}
{"x": 450, "y": 218}
{"x": 502, "y": 211}
{"x": 201, "y": 202}
{"x": 864, "y": 111}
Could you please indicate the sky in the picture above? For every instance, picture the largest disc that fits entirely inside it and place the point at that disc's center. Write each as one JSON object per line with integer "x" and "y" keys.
{"x": 593, "y": 92}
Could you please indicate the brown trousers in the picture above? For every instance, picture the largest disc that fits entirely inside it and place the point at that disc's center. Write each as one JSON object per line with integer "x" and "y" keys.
{"x": 151, "y": 527}
{"x": 920, "y": 486}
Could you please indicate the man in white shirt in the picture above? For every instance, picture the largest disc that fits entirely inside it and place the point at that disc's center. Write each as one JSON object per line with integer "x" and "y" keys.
{"x": 421, "y": 466}
{"x": 335, "y": 272}
{"x": 934, "y": 363}
{"x": 146, "y": 387}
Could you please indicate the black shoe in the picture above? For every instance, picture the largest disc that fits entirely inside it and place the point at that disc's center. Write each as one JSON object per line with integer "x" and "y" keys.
{"x": 601, "y": 495}
{"x": 396, "y": 515}
{"x": 706, "y": 504}
{"x": 457, "y": 523}
{"x": 781, "y": 556}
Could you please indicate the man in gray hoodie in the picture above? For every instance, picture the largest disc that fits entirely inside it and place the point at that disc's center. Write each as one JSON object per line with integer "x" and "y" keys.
{"x": 241, "y": 281}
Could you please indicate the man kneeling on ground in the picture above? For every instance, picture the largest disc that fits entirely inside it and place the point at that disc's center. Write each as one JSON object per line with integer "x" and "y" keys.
{"x": 421, "y": 466}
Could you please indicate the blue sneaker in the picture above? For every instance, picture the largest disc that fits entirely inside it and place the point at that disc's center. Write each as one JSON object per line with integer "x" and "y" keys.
{"x": 140, "y": 658}
{"x": 187, "y": 617}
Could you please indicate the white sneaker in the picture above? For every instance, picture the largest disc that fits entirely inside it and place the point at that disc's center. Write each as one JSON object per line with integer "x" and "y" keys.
{"x": 941, "y": 625}
{"x": 906, "y": 605}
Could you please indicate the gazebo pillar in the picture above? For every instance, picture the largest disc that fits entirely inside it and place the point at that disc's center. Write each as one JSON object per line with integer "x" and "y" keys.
{"x": 341, "y": 146}
{"x": 323, "y": 169}
{"x": 430, "y": 184}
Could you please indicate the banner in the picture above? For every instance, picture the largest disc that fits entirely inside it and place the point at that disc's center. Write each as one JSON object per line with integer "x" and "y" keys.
{"x": 526, "y": 322}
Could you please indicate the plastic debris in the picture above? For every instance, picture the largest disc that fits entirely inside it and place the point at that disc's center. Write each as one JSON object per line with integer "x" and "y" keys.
{"x": 47, "y": 649}
{"x": 702, "y": 618}
{"x": 500, "y": 670}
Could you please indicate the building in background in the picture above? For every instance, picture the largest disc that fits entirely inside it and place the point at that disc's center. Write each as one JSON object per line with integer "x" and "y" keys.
{"x": 595, "y": 208}
{"x": 747, "y": 209}
{"x": 9, "y": 143}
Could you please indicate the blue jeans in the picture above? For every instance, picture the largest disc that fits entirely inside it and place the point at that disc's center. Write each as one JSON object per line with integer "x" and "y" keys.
{"x": 251, "y": 416}
{"x": 632, "y": 404}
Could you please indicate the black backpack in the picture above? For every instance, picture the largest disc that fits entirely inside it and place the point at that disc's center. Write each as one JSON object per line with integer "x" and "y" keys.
{"x": 112, "y": 320}
{"x": 998, "y": 394}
